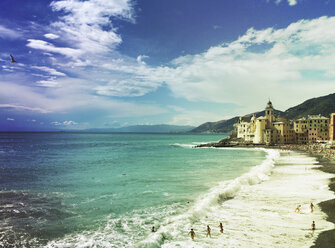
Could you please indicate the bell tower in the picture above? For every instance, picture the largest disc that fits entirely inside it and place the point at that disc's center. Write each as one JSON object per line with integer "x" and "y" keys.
{"x": 269, "y": 112}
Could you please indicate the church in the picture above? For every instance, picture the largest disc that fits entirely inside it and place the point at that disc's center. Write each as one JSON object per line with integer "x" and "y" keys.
{"x": 266, "y": 129}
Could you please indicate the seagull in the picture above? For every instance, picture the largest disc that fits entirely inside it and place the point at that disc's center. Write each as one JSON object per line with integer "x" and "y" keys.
{"x": 12, "y": 58}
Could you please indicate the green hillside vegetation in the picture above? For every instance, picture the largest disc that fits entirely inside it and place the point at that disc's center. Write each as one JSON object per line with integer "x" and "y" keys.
{"x": 324, "y": 105}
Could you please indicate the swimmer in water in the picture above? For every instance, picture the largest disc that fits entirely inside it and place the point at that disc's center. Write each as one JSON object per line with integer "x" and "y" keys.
{"x": 297, "y": 209}
{"x": 153, "y": 229}
{"x": 192, "y": 233}
{"x": 208, "y": 231}
{"x": 221, "y": 228}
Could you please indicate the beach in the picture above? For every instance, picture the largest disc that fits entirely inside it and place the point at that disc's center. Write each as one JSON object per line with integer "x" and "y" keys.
{"x": 326, "y": 157}
{"x": 327, "y": 238}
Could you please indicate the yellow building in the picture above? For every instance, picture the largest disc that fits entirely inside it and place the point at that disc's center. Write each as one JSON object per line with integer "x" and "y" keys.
{"x": 285, "y": 135}
{"x": 318, "y": 128}
{"x": 301, "y": 125}
{"x": 301, "y": 128}
{"x": 332, "y": 127}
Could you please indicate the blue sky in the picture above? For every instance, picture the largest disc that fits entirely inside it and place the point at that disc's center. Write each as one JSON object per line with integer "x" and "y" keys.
{"x": 112, "y": 63}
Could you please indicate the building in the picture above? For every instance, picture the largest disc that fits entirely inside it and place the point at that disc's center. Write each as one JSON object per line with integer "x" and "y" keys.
{"x": 318, "y": 128}
{"x": 266, "y": 129}
{"x": 301, "y": 128}
{"x": 246, "y": 128}
{"x": 270, "y": 130}
{"x": 332, "y": 127}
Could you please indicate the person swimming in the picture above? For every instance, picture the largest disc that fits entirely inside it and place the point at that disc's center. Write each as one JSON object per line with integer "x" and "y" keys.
{"x": 153, "y": 229}
{"x": 192, "y": 233}
{"x": 208, "y": 231}
{"x": 297, "y": 209}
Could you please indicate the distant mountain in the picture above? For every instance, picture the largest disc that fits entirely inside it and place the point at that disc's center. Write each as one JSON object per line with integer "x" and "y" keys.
{"x": 145, "y": 129}
{"x": 324, "y": 105}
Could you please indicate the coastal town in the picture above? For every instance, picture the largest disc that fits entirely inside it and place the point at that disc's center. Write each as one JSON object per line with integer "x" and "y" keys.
{"x": 314, "y": 134}
{"x": 271, "y": 130}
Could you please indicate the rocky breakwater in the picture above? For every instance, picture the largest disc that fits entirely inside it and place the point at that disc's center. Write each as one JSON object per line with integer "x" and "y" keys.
{"x": 227, "y": 142}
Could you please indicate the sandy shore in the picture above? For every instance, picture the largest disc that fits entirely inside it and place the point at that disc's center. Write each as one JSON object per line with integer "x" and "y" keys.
{"x": 327, "y": 238}
{"x": 326, "y": 158}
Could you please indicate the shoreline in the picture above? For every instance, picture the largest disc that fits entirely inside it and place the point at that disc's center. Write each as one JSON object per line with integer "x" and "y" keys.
{"x": 326, "y": 238}
{"x": 325, "y": 157}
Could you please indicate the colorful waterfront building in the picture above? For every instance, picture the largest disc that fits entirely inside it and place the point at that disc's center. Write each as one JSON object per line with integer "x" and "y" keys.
{"x": 270, "y": 130}
{"x": 318, "y": 128}
{"x": 332, "y": 127}
{"x": 300, "y": 127}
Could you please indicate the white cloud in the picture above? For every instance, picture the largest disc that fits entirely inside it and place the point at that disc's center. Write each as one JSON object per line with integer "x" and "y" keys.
{"x": 20, "y": 108}
{"x": 86, "y": 25}
{"x": 9, "y": 33}
{"x": 47, "y": 83}
{"x": 56, "y": 123}
{"x": 64, "y": 123}
{"x": 67, "y": 123}
{"x": 70, "y": 95}
{"x": 126, "y": 88}
{"x": 51, "y": 36}
{"x": 46, "y": 46}
{"x": 259, "y": 64}
{"x": 10, "y": 119}
{"x": 140, "y": 59}
{"x": 51, "y": 71}
{"x": 292, "y": 2}
{"x": 193, "y": 117}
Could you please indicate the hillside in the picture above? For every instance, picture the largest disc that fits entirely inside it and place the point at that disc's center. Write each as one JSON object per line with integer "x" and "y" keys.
{"x": 324, "y": 105}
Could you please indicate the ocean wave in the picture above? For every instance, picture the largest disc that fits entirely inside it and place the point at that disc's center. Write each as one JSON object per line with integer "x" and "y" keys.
{"x": 216, "y": 195}
{"x": 184, "y": 145}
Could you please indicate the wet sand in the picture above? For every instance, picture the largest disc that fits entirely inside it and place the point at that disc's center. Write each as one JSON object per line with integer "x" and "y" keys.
{"x": 326, "y": 158}
{"x": 327, "y": 238}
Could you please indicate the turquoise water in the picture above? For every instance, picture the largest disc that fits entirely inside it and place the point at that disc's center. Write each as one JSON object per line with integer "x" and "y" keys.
{"x": 105, "y": 190}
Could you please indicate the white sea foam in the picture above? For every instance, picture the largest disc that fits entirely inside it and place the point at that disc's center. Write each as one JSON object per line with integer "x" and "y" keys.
{"x": 185, "y": 145}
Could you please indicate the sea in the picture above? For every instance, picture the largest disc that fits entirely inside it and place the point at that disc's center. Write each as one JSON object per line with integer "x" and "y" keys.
{"x": 111, "y": 189}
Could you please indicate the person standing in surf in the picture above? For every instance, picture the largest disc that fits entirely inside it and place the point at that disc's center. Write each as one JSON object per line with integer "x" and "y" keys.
{"x": 312, "y": 207}
{"x": 192, "y": 233}
{"x": 221, "y": 228}
{"x": 313, "y": 226}
{"x": 208, "y": 231}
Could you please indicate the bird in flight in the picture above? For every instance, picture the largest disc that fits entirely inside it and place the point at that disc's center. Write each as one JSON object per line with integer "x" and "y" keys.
{"x": 12, "y": 58}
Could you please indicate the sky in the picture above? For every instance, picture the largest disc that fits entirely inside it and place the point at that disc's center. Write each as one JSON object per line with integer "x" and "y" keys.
{"x": 113, "y": 63}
